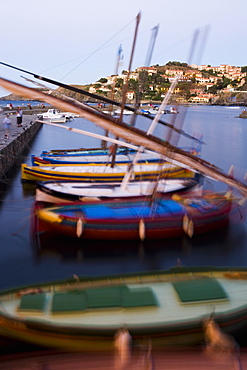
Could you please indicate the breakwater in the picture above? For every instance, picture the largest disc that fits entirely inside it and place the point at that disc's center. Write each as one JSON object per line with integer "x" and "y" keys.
{"x": 11, "y": 148}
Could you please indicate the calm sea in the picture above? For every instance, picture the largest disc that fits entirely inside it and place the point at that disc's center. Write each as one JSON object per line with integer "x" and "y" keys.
{"x": 23, "y": 261}
{"x": 19, "y": 103}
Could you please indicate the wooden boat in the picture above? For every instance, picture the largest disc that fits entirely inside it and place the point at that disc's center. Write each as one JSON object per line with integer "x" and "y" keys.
{"x": 128, "y": 133}
{"x": 100, "y": 159}
{"x": 194, "y": 149}
{"x": 132, "y": 220}
{"x": 102, "y": 173}
{"x": 169, "y": 308}
{"x": 86, "y": 152}
{"x": 97, "y": 155}
{"x": 67, "y": 191}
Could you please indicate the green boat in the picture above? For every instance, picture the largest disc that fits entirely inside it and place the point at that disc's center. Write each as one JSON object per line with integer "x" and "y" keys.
{"x": 168, "y": 308}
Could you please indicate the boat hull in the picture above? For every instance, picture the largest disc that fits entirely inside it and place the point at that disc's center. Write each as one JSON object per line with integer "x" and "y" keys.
{"x": 85, "y": 152}
{"x": 134, "y": 220}
{"x": 62, "y": 192}
{"x": 72, "y": 160}
{"x": 78, "y": 331}
{"x": 101, "y": 173}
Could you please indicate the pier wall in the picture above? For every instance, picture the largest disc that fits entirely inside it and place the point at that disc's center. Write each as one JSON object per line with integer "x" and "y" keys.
{"x": 11, "y": 151}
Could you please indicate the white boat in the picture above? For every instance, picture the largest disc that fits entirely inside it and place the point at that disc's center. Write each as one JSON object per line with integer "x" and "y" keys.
{"x": 110, "y": 113}
{"x": 172, "y": 110}
{"x": 125, "y": 112}
{"x": 54, "y": 116}
{"x": 58, "y": 120}
{"x": 155, "y": 110}
{"x": 152, "y": 110}
{"x": 70, "y": 115}
{"x": 67, "y": 191}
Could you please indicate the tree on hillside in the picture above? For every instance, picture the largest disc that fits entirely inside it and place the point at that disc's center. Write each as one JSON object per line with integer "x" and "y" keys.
{"x": 103, "y": 80}
{"x": 119, "y": 83}
{"x": 185, "y": 89}
{"x": 177, "y": 64}
{"x": 133, "y": 84}
{"x": 213, "y": 89}
{"x": 244, "y": 86}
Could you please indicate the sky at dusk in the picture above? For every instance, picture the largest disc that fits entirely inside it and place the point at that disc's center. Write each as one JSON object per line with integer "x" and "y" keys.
{"x": 76, "y": 41}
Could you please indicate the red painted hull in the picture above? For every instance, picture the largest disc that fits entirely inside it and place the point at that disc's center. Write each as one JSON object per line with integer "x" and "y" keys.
{"x": 171, "y": 226}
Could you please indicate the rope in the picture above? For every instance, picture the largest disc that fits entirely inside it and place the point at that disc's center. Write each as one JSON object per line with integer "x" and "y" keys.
{"x": 95, "y": 51}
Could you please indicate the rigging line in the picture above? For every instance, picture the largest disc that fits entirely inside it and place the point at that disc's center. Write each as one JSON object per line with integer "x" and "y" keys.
{"x": 95, "y": 96}
{"x": 171, "y": 132}
{"x": 171, "y": 47}
{"x": 135, "y": 135}
{"x": 95, "y": 51}
{"x": 82, "y": 56}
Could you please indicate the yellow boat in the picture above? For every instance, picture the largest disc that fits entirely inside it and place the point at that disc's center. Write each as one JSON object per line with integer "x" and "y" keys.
{"x": 103, "y": 173}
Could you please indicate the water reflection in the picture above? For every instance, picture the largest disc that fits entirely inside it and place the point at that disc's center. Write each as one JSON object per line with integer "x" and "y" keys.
{"x": 154, "y": 254}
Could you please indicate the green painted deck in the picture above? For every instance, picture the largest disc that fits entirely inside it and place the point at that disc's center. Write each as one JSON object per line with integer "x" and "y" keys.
{"x": 139, "y": 297}
{"x": 105, "y": 297}
{"x": 91, "y": 299}
{"x": 71, "y": 301}
{"x": 199, "y": 290}
{"x": 33, "y": 302}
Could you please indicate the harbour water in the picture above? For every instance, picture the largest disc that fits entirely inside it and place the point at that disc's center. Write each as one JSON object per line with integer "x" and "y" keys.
{"x": 23, "y": 261}
{"x": 19, "y": 103}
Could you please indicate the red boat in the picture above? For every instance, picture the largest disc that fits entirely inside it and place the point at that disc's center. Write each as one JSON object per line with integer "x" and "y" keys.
{"x": 133, "y": 220}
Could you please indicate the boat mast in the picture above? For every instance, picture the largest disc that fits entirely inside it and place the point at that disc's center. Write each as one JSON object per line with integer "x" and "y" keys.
{"x": 119, "y": 55}
{"x": 149, "y": 132}
{"x": 126, "y": 83}
{"x": 140, "y": 90}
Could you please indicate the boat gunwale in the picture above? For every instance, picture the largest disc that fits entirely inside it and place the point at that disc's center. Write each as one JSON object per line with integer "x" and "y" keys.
{"x": 233, "y": 318}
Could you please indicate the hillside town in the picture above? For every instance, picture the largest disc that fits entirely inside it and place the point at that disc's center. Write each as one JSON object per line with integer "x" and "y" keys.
{"x": 197, "y": 84}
